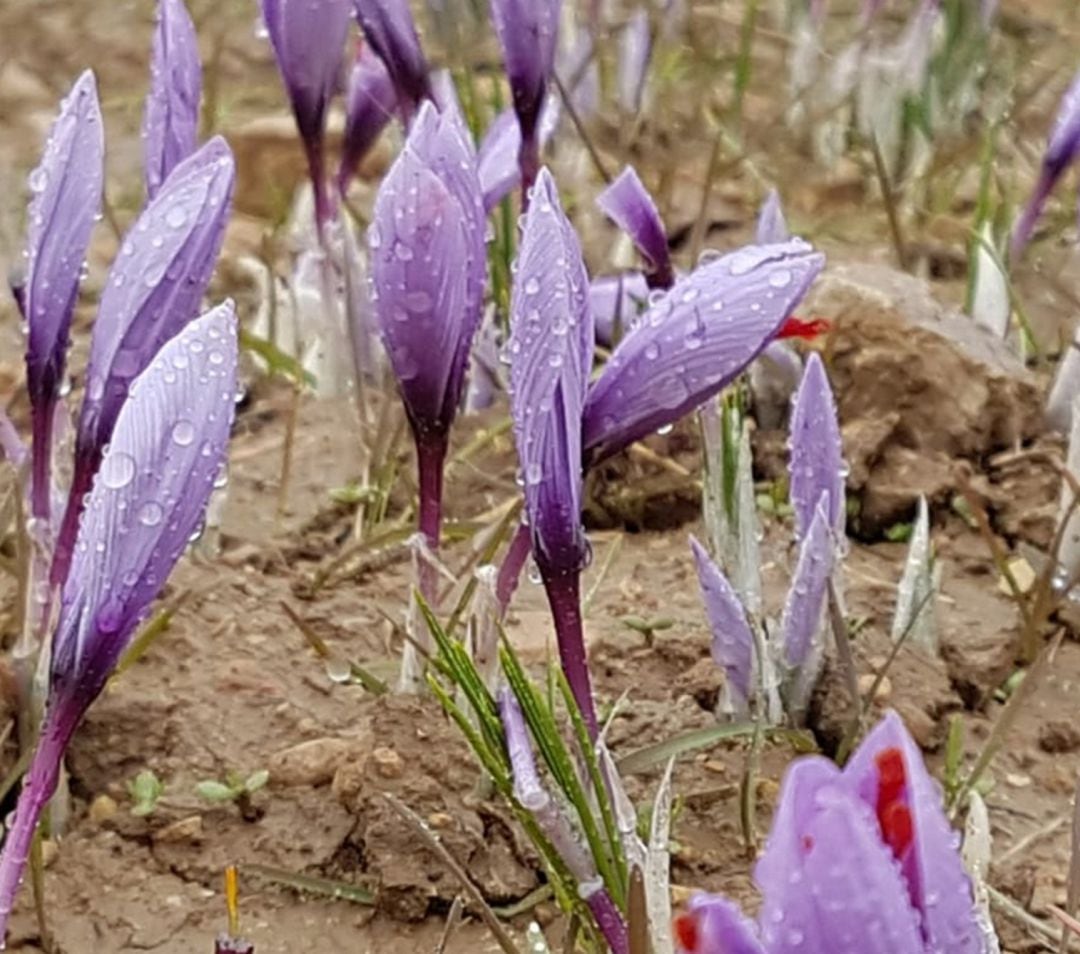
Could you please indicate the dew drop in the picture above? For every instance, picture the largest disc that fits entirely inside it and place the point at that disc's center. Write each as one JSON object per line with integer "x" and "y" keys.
{"x": 151, "y": 514}
{"x": 117, "y": 470}
{"x": 183, "y": 433}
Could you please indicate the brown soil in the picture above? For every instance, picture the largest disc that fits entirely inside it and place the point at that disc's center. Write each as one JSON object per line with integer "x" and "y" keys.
{"x": 233, "y": 685}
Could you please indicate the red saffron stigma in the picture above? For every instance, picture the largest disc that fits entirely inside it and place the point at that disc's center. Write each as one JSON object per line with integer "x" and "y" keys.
{"x": 894, "y": 816}
{"x": 686, "y": 932}
{"x": 806, "y": 330}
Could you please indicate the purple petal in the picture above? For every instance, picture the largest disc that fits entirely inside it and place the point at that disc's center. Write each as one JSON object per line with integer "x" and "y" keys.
{"x": 732, "y": 640}
{"x": 371, "y": 102}
{"x": 1062, "y": 148}
{"x": 550, "y": 360}
{"x": 498, "y": 153}
{"x": 171, "y": 122}
{"x": 428, "y": 267}
{"x": 148, "y": 499}
{"x": 528, "y": 31}
{"x": 828, "y": 881}
{"x": 772, "y": 227}
{"x": 617, "y": 301}
{"x": 389, "y": 28}
{"x": 635, "y": 48}
{"x": 817, "y": 455}
{"x": 801, "y": 624}
{"x": 694, "y": 340}
{"x": 717, "y": 926}
{"x": 66, "y": 200}
{"x": 935, "y": 877}
{"x": 628, "y": 204}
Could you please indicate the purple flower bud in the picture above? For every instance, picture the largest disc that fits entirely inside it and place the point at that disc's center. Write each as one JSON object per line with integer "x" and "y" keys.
{"x": 171, "y": 122}
{"x": 772, "y": 227}
{"x": 733, "y": 647}
{"x": 694, "y": 340}
{"x": 308, "y": 37}
{"x": 500, "y": 147}
{"x": 1061, "y": 151}
{"x": 628, "y": 204}
{"x": 148, "y": 498}
{"x": 65, "y": 202}
{"x": 859, "y": 860}
{"x": 154, "y": 288}
{"x": 817, "y": 455}
{"x": 389, "y": 28}
{"x": 428, "y": 268}
{"x": 371, "y": 103}
{"x": 801, "y": 624}
{"x": 551, "y": 347}
{"x": 528, "y": 33}
{"x": 617, "y": 302}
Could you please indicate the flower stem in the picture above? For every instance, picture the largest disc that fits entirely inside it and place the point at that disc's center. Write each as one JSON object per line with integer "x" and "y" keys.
{"x": 430, "y": 462}
{"x": 41, "y": 459}
{"x": 564, "y": 597}
{"x": 529, "y": 163}
{"x": 81, "y": 482}
{"x": 39, "y": 785}
{"x": 607, "y": 916}
{"x": 517, "y": 553}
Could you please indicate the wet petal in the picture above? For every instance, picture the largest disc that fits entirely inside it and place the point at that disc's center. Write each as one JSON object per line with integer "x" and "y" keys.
{"x": 817, "y": 462}
{"x": 694, "y": 340}
{"x": 935, "y": 877}
{"x": 772, "y": 227}
{"x": 617, "y": 301}
{"x": 148, "y": 498}
{"x": 370, "y": 105}
{"x": 828, "y": 881}
{"x": 171, "y": 122}
{"x": 732, "y": 640}
{"x": 550, "y": 359}
{"x": 714, "y": 925}
{"x": 527, "y": 31}
{"x": 628, "y": 204}
{"x": 389, "y": 28}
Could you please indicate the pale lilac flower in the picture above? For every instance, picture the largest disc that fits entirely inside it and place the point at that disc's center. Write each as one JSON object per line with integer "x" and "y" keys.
{"x": 370, "y": 104}
{"x": 391, "y": 31}
{"x": 628, "y": 204}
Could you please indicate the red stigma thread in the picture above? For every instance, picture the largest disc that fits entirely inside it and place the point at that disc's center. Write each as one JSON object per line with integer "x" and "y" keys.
{"x": 686, "y": 932}
{"x": 893, "y": 814}
{"x": 807, "y": 330}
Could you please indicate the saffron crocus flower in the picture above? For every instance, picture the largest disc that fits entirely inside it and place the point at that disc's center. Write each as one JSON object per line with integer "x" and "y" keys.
{"x": 860, "y": 860}
{"x": 528, "y": 31}
{"x": 148, "y": 498}
{"x": 389, "y": 28}
{"x": 628, "y": 204}
{"x": 427, "y": 279}
{"x": 65, "y": 201}
{"x": 153, "y": 289}
{"x": 370, "y": 104}
{"x": 694, "y": 340}
{"x": 733, "y": 645}
{"x": 551, "y": 350}
{"x": 171, "y": 121}
{"x": 1061, "y": 151}
{"x": 817, "y": 455}
{"x": 308, "y": 37}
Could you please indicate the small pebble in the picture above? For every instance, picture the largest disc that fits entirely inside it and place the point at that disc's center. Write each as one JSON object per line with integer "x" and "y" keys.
{"x": 387, "y": 762}
{"x": 102, "y": 808}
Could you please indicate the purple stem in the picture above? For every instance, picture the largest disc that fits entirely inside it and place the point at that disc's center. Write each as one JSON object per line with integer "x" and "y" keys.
{"x": 1026, "y": 224}
{"x": 38, "y": 787}
{"x": 529, "y": 163}
{"x": 517, "y": 554}
{"x": 607, "y": 917}
{"x": 41, "y": 426}
{"x": 662, "y": 277}
{"x": 81, "y": 482}
{"x": 430, "y": 461}
{"x": 324, "y": 210}
{"x": 564, "y": 597}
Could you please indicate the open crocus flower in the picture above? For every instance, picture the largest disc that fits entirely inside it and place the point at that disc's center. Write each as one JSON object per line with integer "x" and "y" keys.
{"x": 551, "y": 351}
{"x": 628, "y": 204}
{"x": 153, "y": 289}
{"x": 391, "y": 31}
{"x": 370, "y": 104}
{"x": 171, "y": 122}
{"x": 859, "y": 861}
{"x": 427, "y": 278}
{"x": 66, "y": 199}
{"x": 694, "y": 340}
{"x": 148, "y": 499}
{"x": 1061, "y": 151}
{"x": 528, "y": 34}
{"x": 308, "y": 37}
